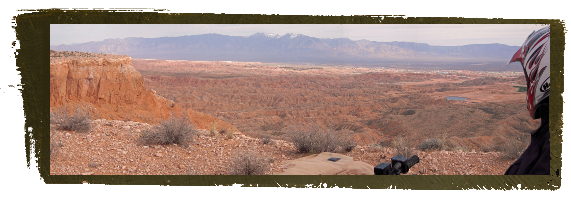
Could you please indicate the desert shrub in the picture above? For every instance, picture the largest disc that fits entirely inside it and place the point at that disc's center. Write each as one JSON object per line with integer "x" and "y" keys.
{"x": 54, "y": 147}
{"x": 275, "y": 127}
{"x": 431, "y": 144}
{"x": 248, "y": 163}
{"x": 460, "y": 149}
{"x": 192, "y": 172}
{"x": 510, "y": 149}
{"x": 266, "y": 140}
{"x": 401, "y": 147}
{"x": 487, "y": 148}
{"x": 222, "y": 131}
{"x": 230, "y": 133}
{"x": 409, "y": 112}
{"x": 213, "y": 129}
{"x": 175, "y": 130}
{"x": 375, "y": 148}
{"x": 93, "y": 165}
{"x": 348, "y": 147}
{"x": 315, "y": 139}
{"x": 78, "y": 120}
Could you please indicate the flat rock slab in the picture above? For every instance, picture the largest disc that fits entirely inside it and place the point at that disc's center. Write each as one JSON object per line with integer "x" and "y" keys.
{"x": 318, "y": 164}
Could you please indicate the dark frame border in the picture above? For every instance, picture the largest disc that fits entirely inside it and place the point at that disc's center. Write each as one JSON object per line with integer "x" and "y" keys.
{"x": 32, "y": 32}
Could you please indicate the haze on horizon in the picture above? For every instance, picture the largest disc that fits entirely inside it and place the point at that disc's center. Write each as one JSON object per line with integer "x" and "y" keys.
{"x": 432, "y": 34}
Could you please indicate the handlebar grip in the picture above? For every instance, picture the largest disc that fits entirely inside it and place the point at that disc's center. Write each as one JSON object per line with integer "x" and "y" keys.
{"x": 410, "y": 162}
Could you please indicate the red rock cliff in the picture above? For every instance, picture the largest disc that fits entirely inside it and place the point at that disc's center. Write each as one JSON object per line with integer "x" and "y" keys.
{"x": 113, "y": 89}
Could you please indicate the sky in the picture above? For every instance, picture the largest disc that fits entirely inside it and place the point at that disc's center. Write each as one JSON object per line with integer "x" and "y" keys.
{"x": 432, "y": 34}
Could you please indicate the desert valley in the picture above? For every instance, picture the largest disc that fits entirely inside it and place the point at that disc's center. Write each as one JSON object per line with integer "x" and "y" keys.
{"x": 477, "y": 120}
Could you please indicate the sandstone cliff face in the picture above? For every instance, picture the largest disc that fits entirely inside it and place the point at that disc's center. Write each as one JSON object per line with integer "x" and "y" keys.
{"x": 94, "y": 79}
{"x": 113, "y": 89}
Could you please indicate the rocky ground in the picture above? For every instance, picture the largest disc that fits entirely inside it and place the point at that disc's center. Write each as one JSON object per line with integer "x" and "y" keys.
{"x": 113, "y": 148}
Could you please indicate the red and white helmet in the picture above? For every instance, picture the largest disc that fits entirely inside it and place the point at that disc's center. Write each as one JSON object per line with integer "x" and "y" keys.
{"x": 534, "y": 57}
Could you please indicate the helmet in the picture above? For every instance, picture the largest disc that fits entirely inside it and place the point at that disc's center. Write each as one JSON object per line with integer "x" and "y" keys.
{"x": 534, "y": 58}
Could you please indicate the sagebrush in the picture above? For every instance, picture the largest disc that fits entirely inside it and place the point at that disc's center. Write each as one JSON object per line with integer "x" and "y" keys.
{"x": 78, "y": 120}
{"x": 213, "y": 129}
{"x": 402, "y": 148}
{"x": 177, "y": 129}
{"x": 266, "y": 140}
{"x": 230, "y": 133}
{"x": 248, "y": 163}
{"x": 316, "y": 139}
{"x": 431, "y": 144}
{"x": 510, "y": 149}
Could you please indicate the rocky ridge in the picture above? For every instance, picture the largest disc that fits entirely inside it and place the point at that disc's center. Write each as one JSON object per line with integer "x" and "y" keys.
{"x": 112, "y": 89}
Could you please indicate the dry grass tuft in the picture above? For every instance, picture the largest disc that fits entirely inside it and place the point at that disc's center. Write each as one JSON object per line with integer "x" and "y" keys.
{"x": 230, "y": 134}
{"x": 213, "y": 129}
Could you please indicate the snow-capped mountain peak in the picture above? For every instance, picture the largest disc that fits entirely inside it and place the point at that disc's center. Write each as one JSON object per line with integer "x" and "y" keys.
{"x": 275, "y": 36}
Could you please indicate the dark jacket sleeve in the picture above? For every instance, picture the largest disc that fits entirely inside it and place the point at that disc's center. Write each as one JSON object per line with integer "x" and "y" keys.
{"x": 535, "y": 159}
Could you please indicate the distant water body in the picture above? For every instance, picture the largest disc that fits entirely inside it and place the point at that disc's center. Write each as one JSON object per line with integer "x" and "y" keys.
{"x": 455, "y": 98}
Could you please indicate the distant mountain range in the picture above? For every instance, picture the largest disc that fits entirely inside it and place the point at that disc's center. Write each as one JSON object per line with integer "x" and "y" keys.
{"x": 292, "y": 48}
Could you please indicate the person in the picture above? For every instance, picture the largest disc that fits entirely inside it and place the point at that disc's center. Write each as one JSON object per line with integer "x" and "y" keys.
{"x": 534, "y": 57}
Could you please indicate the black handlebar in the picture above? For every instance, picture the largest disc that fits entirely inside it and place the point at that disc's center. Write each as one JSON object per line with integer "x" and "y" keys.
{"x": 399, "y": 164}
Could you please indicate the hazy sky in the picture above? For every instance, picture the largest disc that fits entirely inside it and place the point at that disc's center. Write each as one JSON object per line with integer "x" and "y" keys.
{"x": 433, "y": 34}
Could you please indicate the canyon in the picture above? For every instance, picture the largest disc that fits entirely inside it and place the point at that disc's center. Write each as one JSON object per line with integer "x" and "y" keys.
{"x": 373, "y": 106}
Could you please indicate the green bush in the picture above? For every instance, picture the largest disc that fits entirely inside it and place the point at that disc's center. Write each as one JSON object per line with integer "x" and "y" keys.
{"x": 175, "y": 130}
{"x": 78, "y": 120}
{"x": 248, "y": 163}
{"x": 315, "y": 139}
